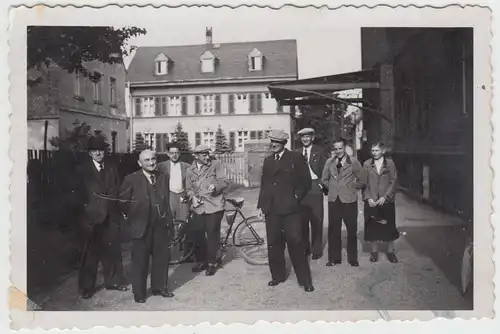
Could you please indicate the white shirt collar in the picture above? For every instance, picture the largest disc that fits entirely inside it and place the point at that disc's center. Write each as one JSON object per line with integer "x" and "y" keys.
{"x": 147, "y": 175}
{"x": 97, "y": 164}
{"x": 281, "y": 154}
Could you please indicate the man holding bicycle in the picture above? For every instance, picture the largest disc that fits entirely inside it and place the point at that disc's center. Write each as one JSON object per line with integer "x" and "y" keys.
{"x": 205, "y": 187}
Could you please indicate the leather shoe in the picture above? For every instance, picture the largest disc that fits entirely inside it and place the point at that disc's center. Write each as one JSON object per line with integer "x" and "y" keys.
{"x": 308, "y": 288}
{"x": 333, "y": 263}
{"x": 354, "y": 263}
{"x": 275, "y": 282}
{"x": 392, "y": 257}
{"x": 87, "y": 294}
{"x": 163, "y": 293}
{"x": 199, "y": 267}
{"x": 210, "y": 270}
{"x": 117, "y": 287}
{"x": 139, "y": 300}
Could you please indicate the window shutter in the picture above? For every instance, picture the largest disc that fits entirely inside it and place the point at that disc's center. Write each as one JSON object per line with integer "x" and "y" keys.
{"x": 165, "y": 141}
{"x": 259, "y": 135}
{"x": 158, "y": 143}
{"x": 197, "y": 138}
{"x": 184, "y": 105}
{"x": 197, "y": 107}
{"x": 157, "y": 106}
{"x": 217, "y": 104}
{"x": 231, "y": 103}
{"x": 232, "y": 142}
{"x": 259, "y": 102}
{"x": 138, "y": 107}
{"x": 164, "y": 106}
{"x": 251, "y": 105}
{"x": 253, "y": 135}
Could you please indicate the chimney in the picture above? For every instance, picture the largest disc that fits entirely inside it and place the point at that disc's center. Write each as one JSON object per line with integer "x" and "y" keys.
{"x": 208, "y": 35}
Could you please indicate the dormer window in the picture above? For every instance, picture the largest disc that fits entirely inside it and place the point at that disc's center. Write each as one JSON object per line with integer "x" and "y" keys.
{"x": 207, "y": 62}
{"x": 255, "y": 60}
{"x": 161, "y": 64}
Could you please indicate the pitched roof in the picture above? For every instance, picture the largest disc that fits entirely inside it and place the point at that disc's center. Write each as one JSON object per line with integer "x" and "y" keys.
{"x": 280, "y": 59}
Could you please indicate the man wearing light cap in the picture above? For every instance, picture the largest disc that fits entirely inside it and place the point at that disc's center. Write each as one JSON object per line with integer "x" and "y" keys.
{"x": 284, "y": 184}
{"x": 205, "y": 187}
{"x": 312, "y": 205}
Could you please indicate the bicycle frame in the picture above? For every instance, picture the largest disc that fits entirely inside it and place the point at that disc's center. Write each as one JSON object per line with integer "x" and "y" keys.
{"x": 230, "y": 221}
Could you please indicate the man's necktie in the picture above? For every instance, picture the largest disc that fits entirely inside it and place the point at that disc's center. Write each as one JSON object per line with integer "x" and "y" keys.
{"x": 305, "y": 156}
{"x": 276, "y": 156}
{"x": 153, "y": 179}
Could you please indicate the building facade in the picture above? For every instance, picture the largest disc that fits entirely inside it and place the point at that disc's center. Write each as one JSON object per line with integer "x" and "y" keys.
{"x": 204, "y": 87}
{"x": 430, "y": 71}
{"x": 60, "y": 100}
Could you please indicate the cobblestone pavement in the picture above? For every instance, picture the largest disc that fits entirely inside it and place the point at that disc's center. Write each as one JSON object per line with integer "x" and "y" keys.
{"x": 426, "y": 277}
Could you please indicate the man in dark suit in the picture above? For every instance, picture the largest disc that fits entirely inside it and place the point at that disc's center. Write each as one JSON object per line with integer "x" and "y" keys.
{"x": 312, "y": 205}
{"x": 343, "y": 177}
{"x": 97, "y": 190}
{"x": 176, "y": 171}
{"x": 284, "y": 184}
{"x": 145, "y": 202}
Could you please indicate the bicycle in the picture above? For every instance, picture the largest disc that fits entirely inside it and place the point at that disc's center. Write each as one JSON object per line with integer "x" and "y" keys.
{"x": 249, "y": 236}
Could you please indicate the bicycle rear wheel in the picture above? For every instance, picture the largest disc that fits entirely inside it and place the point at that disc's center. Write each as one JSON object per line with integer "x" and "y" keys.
{"x": 250, "y": 239}
{"x": 180, "y": 248}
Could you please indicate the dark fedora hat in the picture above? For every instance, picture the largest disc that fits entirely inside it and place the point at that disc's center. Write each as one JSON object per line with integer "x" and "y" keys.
{"x": 97, "y": 143}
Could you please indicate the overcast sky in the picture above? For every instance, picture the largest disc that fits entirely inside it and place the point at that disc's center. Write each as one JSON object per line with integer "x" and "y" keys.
{"x": 327, "y": 43}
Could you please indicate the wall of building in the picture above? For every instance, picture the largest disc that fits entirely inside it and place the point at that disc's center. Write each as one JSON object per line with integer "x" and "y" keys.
{"x": 36, "y": 133}
{"x": 199, "y": 123}
{"x": 241, "y": 122}
{"x": 104, "y": 124}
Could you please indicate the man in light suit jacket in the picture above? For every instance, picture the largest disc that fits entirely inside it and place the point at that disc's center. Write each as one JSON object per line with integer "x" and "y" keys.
{"x": 145, "y": 201}
{"x": 312, "y": 205}
{"x": 342, "y": 177}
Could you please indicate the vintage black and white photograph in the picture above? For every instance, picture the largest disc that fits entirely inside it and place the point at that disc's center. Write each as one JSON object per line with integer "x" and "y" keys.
{"x": 217, "y": 159}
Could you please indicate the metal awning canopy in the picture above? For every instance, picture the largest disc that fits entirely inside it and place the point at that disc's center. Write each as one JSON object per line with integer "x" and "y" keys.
{"x": 319, "y": 90}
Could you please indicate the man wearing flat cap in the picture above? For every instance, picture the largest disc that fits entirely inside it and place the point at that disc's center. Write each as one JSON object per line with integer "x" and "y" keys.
{"x": 205, "y": 187}
{"x": 97, "y": 189}
{"x": 312, "y": 205}
{"x": 284, "y": 184}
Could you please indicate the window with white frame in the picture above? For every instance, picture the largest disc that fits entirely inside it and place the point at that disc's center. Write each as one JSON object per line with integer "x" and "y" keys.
{"x": 97, "y": 86}
{"x": 78, "y": 89}
{"x": 242, "y": 137}
{"x": 255, "y": 60}
{"x": 174, "y": 105}
{"x": 208, "y": 138}
{"x": 207, "y": 62}
{"x": 161, "y": 64}
{"x": 148, "y": 106}
{"x": 112, "y": 91}
{"x": 208, "y": 104}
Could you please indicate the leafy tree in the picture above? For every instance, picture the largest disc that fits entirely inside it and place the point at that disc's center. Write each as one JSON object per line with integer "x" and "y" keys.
{"x": 181, "y": 138}
{"x": 140, "y": 144}
{"x": 77, "y": 138}
{"x": 70, "y": 47}
{"x": 221, "y": 144}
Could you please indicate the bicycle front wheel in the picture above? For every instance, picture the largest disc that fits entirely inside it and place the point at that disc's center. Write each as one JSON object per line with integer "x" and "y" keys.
{"x": 180, "y": 248}
{"x": 250, "y": 238}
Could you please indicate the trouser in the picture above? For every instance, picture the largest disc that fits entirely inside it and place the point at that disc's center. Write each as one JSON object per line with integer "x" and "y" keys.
{"x": 180, "y": 211}
{"x": 155, "y": 244}
{"x": 206, "y": 232}
{"x": 103, "y": 246}
{"x": 312, "y": 220}
{"x": 338, "y": 211}
{"x": 287, "y": 228}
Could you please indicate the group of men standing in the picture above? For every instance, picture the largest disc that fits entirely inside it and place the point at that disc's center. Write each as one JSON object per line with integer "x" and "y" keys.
{"x": 146, "y": 203}
{"x": 291, "y": 197}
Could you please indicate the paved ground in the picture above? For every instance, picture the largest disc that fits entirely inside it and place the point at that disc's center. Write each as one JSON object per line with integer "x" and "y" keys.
{"x": 426, "y": 278}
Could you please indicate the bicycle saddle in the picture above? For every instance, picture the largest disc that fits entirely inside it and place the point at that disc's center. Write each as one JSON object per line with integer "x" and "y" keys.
{"x": 238, "y": 202}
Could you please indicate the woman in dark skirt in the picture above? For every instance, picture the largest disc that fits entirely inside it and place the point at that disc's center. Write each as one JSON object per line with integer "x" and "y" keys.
{"x": 380, "y": 214}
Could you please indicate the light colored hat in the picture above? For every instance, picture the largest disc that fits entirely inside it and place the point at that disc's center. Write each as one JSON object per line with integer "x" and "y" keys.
{"x": 201, "y": 149}
{"x": 306, "y": 131}
{"x": 278, "y": 135}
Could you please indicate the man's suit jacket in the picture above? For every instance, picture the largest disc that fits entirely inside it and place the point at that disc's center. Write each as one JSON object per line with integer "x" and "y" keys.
{"x": 284, "y": 183}
{"x": 136, "y": 202}
{"x": 317, "y": 159}
{"x": 93, "y": 187}
{"x": 345, "y": 184}
{"x": 164, "y": 167}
